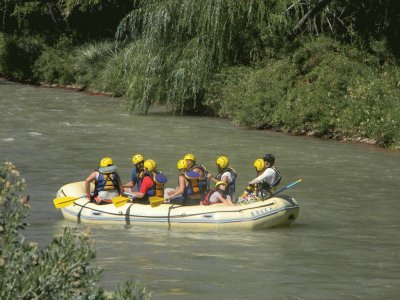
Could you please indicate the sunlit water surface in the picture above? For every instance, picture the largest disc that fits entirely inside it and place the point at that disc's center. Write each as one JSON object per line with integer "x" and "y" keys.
{"x": 344, "y": 245}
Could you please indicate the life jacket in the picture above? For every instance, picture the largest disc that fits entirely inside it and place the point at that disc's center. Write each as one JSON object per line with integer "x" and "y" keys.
{"x": 206, "y": 200}
{"x": 139, "y": 179}
{"x": 136, "y": 176}
{"x": 202, "y": 182}
{"x": 192, "y": 190}
{"x": 106, "y": 182}
{"x": 159, "y": 180}
{"x": 231, "y": 185}
{"x": 263, "y": 186}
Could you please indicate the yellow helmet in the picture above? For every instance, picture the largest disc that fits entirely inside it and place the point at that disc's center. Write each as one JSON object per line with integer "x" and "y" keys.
{"x": 223, "y": 162}
{"x": 105, "y": 162}
{"x": 182, "y": 164}
{"x": 150, "y": 165}
{"x": 259, "y": 164}
{"x": 220, "y": 183}
{"x": 190, "y": 156}
{"x": 137, "y": 158}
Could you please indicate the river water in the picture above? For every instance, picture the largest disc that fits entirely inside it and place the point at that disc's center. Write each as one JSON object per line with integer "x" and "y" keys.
{"x": 344, "y": 245}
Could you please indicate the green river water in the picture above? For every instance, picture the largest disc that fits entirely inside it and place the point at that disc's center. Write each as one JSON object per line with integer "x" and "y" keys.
{"x": 344, "y": 245}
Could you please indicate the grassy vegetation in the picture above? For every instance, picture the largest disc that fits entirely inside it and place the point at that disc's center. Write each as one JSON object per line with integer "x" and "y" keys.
{"x": 254, "y": 61}
{"x": 62, "y": 270}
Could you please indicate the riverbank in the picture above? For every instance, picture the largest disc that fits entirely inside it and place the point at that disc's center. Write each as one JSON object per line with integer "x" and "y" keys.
{"x": 163, "y": 109}
{"x": 321, "y": 88}
{"x": 69, "y": 87}
{"x": 75, "y": 88}
{"x": 329, "y": 85}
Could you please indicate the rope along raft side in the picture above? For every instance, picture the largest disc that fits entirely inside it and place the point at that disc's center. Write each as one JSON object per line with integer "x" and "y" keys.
{"x": 280, "y": 210}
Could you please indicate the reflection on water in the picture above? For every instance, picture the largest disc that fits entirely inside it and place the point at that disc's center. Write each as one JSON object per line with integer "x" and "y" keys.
{"x": 343, "y": 244}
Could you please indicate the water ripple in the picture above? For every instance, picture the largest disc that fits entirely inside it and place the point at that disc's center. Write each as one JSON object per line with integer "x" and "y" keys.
{"x": 8, "y": 139}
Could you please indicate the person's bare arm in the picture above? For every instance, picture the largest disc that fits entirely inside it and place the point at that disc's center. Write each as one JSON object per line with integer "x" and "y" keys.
{"x": 88, "y": 180}
{"x": 180, "y": 189}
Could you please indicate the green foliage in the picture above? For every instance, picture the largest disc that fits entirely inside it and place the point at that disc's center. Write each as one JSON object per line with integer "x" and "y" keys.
{"x": 80, "y": 19}
{"x": 82, "y": 5}
{"x": 85, "y": 65}
{"x": 13, "y": 209}
{"x": 18, "y": 54}
{"x": 322, "y": 88}
{"x": 60, "y": 271}
{"x": 55, "y": 64}
{"x": 178, "y": 45}
{"x": 368, "y": 22}
{"x": 250, "y": 96}
{"x": 112, "y": 77}
{"x": 265, "y": 63}
{"x": 374, "y": 107}
{"x": 93, "y": 63}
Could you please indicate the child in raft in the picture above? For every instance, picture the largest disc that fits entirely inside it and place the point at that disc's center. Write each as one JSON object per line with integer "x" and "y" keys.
{"x": 217, "y": 195}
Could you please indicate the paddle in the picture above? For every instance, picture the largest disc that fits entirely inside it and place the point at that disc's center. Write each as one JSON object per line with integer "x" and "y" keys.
{"x": 122, "y": 200}
{"x": 285, "y": 188}
{"x": 154, "y": 202}
{"x": 65, "y": 201}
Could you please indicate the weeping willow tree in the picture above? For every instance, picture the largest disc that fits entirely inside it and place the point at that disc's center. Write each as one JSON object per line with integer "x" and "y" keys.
{"x": 173, "y": 47}
{"x": 168, "y": 51}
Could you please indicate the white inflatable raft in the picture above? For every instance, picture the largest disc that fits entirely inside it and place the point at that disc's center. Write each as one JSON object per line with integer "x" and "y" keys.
{"x": 277, "y": 211}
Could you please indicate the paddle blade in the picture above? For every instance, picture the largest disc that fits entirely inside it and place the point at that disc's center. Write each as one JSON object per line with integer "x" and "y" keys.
{"x": 120, "y": 201}
{"x": 154, "y": 202}
{"x": 65, "y": 201}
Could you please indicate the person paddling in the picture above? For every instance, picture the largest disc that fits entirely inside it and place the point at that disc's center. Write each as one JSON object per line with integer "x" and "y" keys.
{"x": 187, "y": 192}
{"x": 268, "y": 176}
{"x": 107, "y": 182}
{"x": 151, "y": 184}
{"x": 201, "y": 170}
{"x": 133, "y": 184}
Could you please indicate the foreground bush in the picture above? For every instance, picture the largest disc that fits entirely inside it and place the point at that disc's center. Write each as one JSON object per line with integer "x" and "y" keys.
{"x": 60, "y": 271}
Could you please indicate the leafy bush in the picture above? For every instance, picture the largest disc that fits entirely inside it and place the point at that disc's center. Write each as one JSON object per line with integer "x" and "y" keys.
{"x": 60, "y": 271}
{"x": 91, "y": 60}
{"x": 55, "y": 64}
{"x": 112, "y": 77}
{"x": 321, "y": 88}
{"x": 18, "y": 54}
{"x": 374, "y": 107}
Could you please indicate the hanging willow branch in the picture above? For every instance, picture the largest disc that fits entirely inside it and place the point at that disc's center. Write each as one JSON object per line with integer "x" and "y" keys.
{"x": 174, "y": 46}
{"x": 315, "y": 10}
